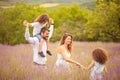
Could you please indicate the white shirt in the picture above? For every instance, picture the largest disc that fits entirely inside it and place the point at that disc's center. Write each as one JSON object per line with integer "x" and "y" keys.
{"x": 35, "y": 43}
{"x": 36, "y": 27}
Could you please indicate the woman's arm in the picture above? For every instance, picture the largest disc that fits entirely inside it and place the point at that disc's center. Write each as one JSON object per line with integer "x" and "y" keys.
{"x": 62, "y": 50}
{"x": 51, "y": 21}
{"x": 91, "y": 65}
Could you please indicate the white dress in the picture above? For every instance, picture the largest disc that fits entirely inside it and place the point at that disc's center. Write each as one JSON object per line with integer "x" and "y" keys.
{"x": 62, "y": 64}
{"x": 96, "y": 71}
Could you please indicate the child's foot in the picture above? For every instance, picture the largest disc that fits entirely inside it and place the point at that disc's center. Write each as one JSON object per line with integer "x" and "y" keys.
{"x": 41, "y": 54}
{"x": 49, "y": 53}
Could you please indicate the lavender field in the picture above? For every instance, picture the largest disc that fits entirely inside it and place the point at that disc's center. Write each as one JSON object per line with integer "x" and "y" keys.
{"x": 16, "y": 62}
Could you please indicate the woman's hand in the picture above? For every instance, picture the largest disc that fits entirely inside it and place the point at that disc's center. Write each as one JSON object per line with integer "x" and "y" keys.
{"x": 81, "y": 66}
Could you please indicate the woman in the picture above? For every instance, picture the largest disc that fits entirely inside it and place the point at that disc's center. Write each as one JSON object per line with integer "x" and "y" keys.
{"x": 64, "y": 54}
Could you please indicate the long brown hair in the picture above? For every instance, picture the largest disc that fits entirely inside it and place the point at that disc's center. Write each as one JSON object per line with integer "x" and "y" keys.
{"x": 62, "y": 41}
{"x": 42, "y": 19}
{"x": 100, "y": 55}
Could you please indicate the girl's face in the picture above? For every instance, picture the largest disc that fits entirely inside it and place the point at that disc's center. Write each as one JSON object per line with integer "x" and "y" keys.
{"x": 68, "y": 40}
{"x": 45, "y": 23}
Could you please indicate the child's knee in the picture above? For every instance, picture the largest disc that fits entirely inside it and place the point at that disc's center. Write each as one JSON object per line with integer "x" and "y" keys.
{"x": 41, "y": 40}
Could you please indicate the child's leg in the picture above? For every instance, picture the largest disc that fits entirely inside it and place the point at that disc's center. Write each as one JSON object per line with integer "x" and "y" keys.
{"x": 40, "y": 46}
{"x": 48, "y": 52}
{"x": 47, "y": 42}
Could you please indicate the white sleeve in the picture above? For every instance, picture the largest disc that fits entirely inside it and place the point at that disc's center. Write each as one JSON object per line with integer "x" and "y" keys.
{"x": 27, "y": 36}
{"x": 33, "y": 24}
{"x": 51, "y": 31}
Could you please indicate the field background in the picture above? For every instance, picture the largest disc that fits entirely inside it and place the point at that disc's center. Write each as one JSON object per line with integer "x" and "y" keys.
{"x": 93, "y": 24}
{"x": 16, "y": 62}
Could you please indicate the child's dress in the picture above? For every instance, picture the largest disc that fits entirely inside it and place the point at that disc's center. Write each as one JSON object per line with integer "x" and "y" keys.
{"x": 96, "y": 71}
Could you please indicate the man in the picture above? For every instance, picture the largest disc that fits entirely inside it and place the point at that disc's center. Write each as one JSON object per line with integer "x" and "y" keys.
{"x": 46, "y": 34}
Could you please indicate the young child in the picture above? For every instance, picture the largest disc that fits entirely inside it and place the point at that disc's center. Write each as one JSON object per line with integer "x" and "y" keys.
{"x": 97, "y": 66}
{"x": 40, "y": 22}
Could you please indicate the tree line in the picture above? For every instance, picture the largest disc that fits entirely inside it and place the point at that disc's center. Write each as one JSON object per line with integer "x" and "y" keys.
{"x": 100, "y": 24}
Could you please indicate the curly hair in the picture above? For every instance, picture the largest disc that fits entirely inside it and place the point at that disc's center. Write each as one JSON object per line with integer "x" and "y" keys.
{"x": 100, "y": 55}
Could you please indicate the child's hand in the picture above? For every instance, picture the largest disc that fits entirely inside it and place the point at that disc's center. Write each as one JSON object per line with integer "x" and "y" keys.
{"x": 25, "y": 23}
{"x": 51, "y": 21}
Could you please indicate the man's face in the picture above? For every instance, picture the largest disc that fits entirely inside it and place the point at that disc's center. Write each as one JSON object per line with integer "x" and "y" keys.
{"x": 45, "y": 34}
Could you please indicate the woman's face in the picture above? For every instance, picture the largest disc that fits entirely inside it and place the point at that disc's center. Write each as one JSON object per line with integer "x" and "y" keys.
{"x": 68, "y": 40}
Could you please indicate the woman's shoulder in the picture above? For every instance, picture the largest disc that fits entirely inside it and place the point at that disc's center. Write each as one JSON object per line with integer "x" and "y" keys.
{"x": 60, "y": 48}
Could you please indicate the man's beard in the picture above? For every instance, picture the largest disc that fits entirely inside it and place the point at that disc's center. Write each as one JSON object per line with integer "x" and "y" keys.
{"x": 45, "y": 38}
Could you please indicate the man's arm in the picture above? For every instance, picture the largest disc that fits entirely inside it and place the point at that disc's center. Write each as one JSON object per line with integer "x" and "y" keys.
{"x": 51, "y": 21}
{"x": 27, "y": 36}
{"x": 51, "y": 31}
